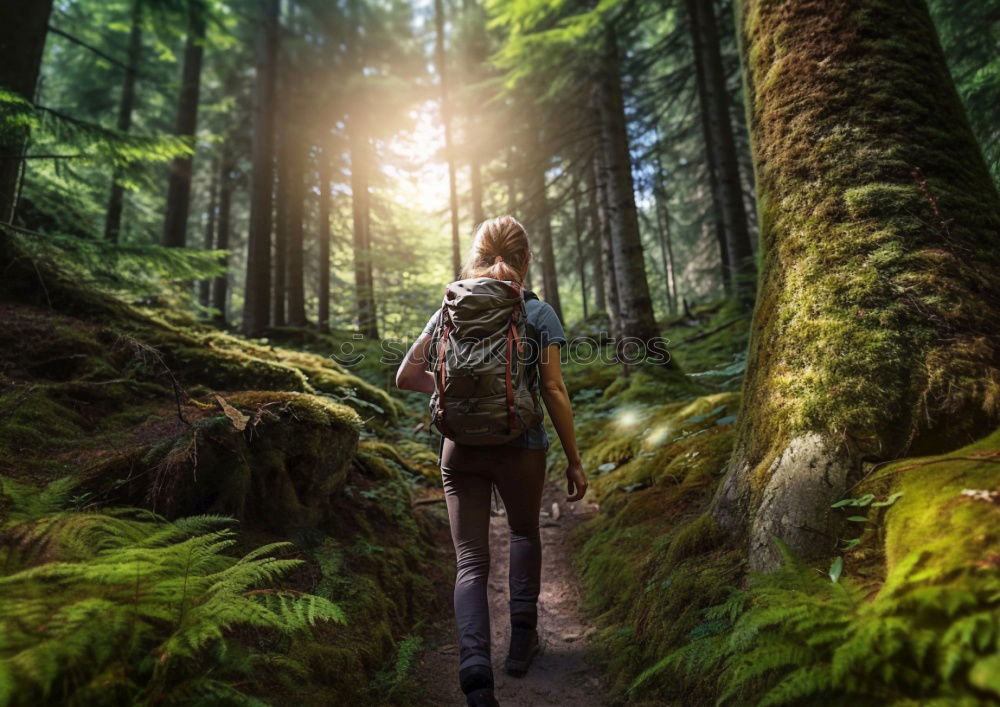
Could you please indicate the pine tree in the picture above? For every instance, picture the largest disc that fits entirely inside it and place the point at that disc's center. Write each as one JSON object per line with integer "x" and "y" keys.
{"x": 256, "y": 310}
{"x": 179, "y": 185}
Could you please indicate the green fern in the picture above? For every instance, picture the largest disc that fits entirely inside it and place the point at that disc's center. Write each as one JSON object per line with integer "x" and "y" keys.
{"x": 119, "y": 606}
{"x": 806, "y": 640}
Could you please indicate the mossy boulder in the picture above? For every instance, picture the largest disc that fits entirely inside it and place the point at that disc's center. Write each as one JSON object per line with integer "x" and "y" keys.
{"x": 271, "y": 460}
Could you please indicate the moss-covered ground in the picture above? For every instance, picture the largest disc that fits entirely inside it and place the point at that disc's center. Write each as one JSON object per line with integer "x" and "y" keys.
{"x": 138, "y": 409}
{"x": 913, "y": 613}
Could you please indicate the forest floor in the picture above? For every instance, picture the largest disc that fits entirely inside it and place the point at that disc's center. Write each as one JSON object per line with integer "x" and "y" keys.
{"x": 563, "y": 672}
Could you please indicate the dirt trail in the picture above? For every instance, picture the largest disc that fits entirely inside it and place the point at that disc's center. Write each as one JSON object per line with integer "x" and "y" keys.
{"x": 561, "y": 673}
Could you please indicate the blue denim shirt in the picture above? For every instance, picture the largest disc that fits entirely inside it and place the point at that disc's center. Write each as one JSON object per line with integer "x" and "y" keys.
{"x": 546, "y": 329}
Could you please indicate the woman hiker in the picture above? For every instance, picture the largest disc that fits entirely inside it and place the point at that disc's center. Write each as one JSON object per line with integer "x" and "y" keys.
{"x": 493, "y": 435}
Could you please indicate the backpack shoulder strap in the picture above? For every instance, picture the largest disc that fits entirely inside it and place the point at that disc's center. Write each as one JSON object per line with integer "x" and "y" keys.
{"x": 528, "y": 294}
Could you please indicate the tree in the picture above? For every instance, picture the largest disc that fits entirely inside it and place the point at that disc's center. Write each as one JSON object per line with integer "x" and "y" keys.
{"x": 720, "y": 147}
{"x": 324, "y": 239}
{"x": 205, "y": 286}
{"x": 220, "y": 286}
{"x": 539, "y": 222}
{"x": 875, "y": 334}
{"x": 179, "y": 185}
{"x": 441, "y": 61}
{"x": 23, "y": 28}
{"x": 634, "y": 303}
{"x": 116, "y": 199}
{"x": 596, "y": 239}
{"x": 609, "y": 283}
{"x": 299, "y": 159}
{"x": 258, "y": 280}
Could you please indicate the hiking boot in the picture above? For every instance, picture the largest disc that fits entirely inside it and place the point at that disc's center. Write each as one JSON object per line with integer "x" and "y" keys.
{"x": 483, "y": 697}
{"x": 523, "y": 647}
{"x": 477, "y": 684}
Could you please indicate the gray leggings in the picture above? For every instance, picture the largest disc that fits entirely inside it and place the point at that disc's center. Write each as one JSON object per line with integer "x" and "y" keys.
{"x": 468, "y": 474}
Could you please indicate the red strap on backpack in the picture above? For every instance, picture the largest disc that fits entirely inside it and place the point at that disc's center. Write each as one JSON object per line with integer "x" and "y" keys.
{"x": 512, "y": 338}
{"x": 441, "y": 372}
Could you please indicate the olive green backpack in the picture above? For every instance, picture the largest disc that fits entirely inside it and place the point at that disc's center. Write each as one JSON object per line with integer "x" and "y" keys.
{"x": 484, "y": 391}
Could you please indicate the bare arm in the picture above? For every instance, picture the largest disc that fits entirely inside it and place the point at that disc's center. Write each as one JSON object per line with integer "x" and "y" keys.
{"x": 412, "y": 373}
{"x": 556, "y": 399}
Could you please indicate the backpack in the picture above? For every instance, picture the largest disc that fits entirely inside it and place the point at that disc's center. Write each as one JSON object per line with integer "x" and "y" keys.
{"x": 483, "y": 392}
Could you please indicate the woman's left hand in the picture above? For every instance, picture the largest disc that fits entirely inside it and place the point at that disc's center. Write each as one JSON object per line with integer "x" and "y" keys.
{"x": 576, "y": 482}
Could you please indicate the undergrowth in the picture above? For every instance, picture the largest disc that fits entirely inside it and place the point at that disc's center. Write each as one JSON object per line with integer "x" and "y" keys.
{"x": 119, "y": 606}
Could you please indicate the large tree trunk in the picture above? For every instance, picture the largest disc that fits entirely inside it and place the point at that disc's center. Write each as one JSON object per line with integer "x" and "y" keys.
{"x": 610, "y": 280}
{"x": 299, "y": 159}
{"x": 721, "y": 148}
{"x": 441, "y": 60}
{"x": 877, "y": 329}
{"x": 256, "y": 309}
{"x": 595, "y": 243}
{"x": 220, "y": 287}
{"x": 324, "y": 240}
{"x": 540, "y": 221}
{"x": 116, "y": 200}
{"x": 634, "y": 302}
{"x": 179, "y": 186}
{"x": 23, "y": 27}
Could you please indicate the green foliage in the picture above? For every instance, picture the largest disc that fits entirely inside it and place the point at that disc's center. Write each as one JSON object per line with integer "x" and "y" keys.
{"x": 126, "y": 270}
{"x": 930, "y": 634}
{"x": 112, "y": 606}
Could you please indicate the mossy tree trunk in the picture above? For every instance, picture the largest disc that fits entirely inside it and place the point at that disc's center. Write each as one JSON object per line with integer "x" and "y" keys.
{"x": 179, "y": 184}
{"x": 634, "y": 303}
{"x": 257, "y": 300}
{"x": 877, "y": 327}
{"x": 23, "y": 28}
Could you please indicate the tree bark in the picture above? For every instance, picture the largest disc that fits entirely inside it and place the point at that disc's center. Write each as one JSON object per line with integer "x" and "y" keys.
{"x": 220, "y": 286}
{"x": 581, "y": 252}
{"x": 296, "y": 213}
{"x": 279, "y": 286}
{"x": 257, "y": 298}
{"x": 23, "y": 28}
{"x": 363, "y": 286}
{"x": 540, "y": 223}
{"x": 666, "y": 240}
{"x": 720, "y": 147}
{"x": 595, "y": 244}
{"x": 877, "y": 330}
{"x": 116, "y": 199}
{"x": 205, "y": 286}
{"x": 634, "y": 302}
{"x": 324, "y": 240}
{"x": 441, "y": 60}
{"x": 179, "y": 186}
{"x": 610, "y": 280}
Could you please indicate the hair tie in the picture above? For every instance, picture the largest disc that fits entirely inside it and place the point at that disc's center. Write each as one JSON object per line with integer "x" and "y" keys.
{"x": 498, "y": 259}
